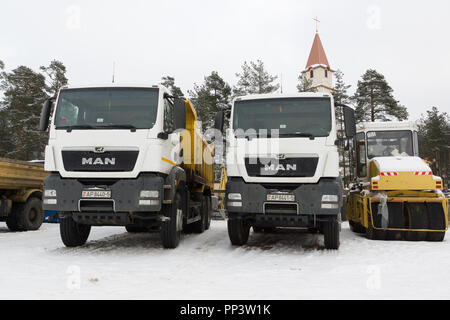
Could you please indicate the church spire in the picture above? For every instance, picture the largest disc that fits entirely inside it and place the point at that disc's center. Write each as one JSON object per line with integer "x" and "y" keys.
{"x": 317, "y": 55}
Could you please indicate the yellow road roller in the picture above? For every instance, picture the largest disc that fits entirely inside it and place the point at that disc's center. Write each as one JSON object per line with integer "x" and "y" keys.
{"x": 395, "y": 195}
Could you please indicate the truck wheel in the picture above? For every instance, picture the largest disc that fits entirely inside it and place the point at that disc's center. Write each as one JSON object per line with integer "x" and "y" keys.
{"x": 200, "y": 226}
{"x": 134, "y": 229}
{"x": 73, "y": 234}
{"x": 171, "y": 230}
{"x": 331, "y": 234}
{"x": 238, "y": 231}
{"x": 11, "y": 221}
{"x": 30, "y": 215}
{"x": 208, "y": 221}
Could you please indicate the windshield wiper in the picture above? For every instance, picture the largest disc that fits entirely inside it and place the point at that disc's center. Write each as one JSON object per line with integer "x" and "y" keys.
{"x": 298, "y": 135}
{"x": 121, "y": 126}
{"x": 90, "y": 127}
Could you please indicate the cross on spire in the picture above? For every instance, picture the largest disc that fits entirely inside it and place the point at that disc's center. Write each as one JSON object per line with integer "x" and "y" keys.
{"x": 316, "y": 19}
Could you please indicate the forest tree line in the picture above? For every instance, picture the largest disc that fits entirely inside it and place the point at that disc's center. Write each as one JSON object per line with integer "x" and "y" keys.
{"x": 24, "y": 90}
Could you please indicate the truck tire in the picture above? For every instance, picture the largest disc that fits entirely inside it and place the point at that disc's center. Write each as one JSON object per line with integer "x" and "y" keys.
{"x": 73, "y": 234}
{"x": 210, "y": 212}
{"x": 11, "y": 221}
{"x": 200, "y": 226}
{"x": 134, "y": 229}
{"x": 30, "y": 215}
{"x": 171, "y": 230}
{"x": 331, "y": 232}
{"x": 238, "y": 231}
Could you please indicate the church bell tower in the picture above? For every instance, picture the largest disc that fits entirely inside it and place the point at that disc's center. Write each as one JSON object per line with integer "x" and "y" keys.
{"x": 318, "y": 69}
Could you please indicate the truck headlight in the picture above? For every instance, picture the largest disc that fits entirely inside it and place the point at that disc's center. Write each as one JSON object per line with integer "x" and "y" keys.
{"x": 50, "y": 201}
{"x": 149, "y": 194}
{"x": 235, "y": 204}
{"x": 330, "y": 206}
{"x": 149, "y": 202}
{"x": 50, "y": 193}
{"x": 330, "y": 198}
{"x": 235, "y": 196}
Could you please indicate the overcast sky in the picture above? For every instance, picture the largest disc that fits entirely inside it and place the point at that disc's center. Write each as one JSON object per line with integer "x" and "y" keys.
{"x": 407, "y": 41}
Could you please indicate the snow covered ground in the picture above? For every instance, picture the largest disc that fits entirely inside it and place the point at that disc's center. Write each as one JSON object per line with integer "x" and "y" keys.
{"x": 284, "y": 265}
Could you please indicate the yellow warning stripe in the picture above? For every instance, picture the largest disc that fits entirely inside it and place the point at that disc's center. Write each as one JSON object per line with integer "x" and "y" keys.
{"x": 169, "y": 162}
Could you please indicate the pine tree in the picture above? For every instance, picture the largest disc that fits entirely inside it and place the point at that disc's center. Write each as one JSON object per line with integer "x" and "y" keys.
{"x": 254, "y": 79}
{"x": 169, "y": 83}
{"x": 340, "y": 95}
{"x": 24, "y": 94}
{"x": 375, "y": 101}
{"x": 210, "y": 97}
{"x": 434, "y": 136}
{"x": 305, "y": 84}
{"x": 56, "y": 73}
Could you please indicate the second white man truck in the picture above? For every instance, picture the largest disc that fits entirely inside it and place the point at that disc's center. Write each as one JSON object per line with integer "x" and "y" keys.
{"x": 283, "y": 165}
{"x": 129, "y": 156}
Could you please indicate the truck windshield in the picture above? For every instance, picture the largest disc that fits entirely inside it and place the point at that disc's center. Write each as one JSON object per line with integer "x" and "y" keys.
{"x": 293, "y": 117}
{"x": 389, "y": 144}
{"x": 107, "y": 108}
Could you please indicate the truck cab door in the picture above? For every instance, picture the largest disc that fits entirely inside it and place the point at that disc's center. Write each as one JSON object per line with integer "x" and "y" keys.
{"x": 172, "y": 143}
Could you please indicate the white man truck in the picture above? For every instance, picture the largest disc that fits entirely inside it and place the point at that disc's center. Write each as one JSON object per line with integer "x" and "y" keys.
{"x": 129, "y": 156}
{"x": 283, "y": 165}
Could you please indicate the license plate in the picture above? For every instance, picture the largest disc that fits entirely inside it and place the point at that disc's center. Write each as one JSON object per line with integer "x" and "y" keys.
{"x": 97, "y": 194}
{"x": 281, "y": 197}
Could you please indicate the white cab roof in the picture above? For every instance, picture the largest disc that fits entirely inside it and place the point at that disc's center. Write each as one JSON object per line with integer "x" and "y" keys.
{"x": 113, "y": 85}
{"x": 384, "y": 126}
{"x": 282, "y": 95}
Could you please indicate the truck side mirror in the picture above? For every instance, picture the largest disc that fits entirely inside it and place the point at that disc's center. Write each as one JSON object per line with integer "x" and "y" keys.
{"x": 45, "y": 114}
{"x": 350, "y": 122}
{"x": 179, "y": 114}
{"x": 220, "y": 119}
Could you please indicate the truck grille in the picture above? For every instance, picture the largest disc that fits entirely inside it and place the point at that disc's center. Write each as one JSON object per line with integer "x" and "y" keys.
{"x": 111, "y": 161}
{"x": 293, "y": 167}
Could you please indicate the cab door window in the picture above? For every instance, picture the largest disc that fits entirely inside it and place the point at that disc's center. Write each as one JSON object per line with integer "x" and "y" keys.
{"x": 361, "y": 155}
{"x": 169, "y": 124}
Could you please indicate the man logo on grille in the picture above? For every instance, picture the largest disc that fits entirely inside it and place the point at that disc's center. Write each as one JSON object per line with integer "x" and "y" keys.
{"x": 280, "y": 167}
{"x": 98, "y": 162}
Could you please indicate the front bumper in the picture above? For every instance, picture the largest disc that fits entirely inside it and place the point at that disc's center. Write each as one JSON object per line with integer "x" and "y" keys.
{"x": 125, "y": 194}
{"x": 308, "y": 199}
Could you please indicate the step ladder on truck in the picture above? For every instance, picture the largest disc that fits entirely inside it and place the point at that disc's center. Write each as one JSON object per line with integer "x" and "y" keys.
{"x": 130, "y": 156}
{"x": 395, "y": 195}
{"x": 21, "y": 194}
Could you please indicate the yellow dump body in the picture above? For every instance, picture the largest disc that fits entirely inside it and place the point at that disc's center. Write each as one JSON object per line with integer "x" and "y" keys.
{"x": 198, "y": 154}
{"x": 19, "y": 175}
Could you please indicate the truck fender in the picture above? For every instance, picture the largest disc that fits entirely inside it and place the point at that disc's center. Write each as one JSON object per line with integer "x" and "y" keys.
{"x": 22, "y": 196}
{"x": 176, "y": 177}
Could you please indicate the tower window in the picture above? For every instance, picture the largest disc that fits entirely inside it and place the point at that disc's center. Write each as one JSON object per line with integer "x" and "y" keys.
{"x": 312, "y": 74}
{"x": 326, "y": 73}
